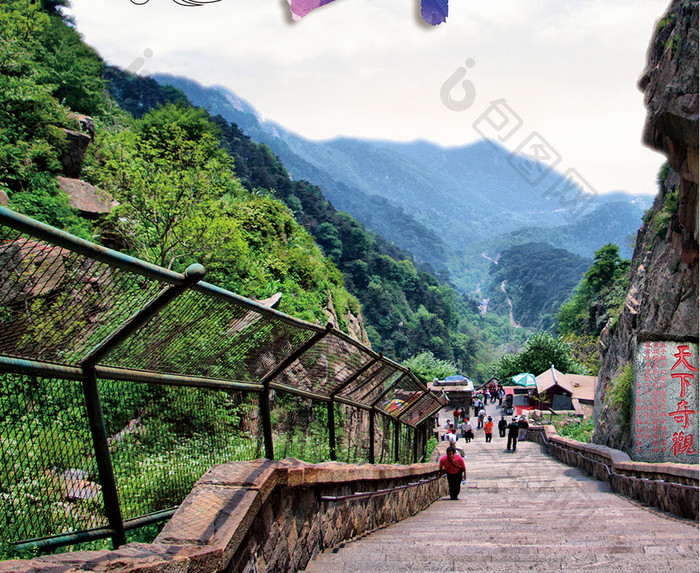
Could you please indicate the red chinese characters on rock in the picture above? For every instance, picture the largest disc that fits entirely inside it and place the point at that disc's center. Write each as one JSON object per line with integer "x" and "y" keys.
{"x": 683, "y": 443}
{"x": 650, "y": 421}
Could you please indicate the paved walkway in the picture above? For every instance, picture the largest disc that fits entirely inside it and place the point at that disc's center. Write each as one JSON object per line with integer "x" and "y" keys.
{"x": 523, "y": 512}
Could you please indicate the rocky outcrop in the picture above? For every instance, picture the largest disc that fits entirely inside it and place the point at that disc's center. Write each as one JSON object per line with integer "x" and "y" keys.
{"x": 356, "y": 325}
{"x": 670, "y": 86}
{"x": 662, "y": 302}
{"x": 89, "y": 200}
{"x": 76, "y": 143}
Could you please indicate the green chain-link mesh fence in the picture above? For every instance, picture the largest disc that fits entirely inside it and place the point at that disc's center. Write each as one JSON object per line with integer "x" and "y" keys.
{"x": 121, "y": 383}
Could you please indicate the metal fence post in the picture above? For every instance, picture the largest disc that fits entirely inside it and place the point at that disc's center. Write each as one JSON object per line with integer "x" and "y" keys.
{"x": 267, "y": 423}
{"x": 331, "y": 429}
{"x": 371, "y": 436}
{"x": 397, "y": 432}
{"x": 427, "y": 437}
{"x": 192, "y": 274}
{"x": 270, "y": 376}
{"x": 104, "y": 459}
{"x": 416, "y": 435}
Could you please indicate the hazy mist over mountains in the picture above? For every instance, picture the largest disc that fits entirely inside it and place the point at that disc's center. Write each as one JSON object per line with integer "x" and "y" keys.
{"x": 444, "y": 205}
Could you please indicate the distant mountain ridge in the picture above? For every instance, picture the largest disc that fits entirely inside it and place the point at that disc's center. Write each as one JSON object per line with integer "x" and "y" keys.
{"x": 444, "y": 205}
{"x": 373, "y": 211}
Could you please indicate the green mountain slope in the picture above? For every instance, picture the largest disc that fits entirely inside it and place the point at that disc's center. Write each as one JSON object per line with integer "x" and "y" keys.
{"x": 179, "y": 200}
{"x": 608, "y": 222}
{"x": 407, "y": 309}
{"x": 536, "y": 279}
{"x": 464, "y": 194}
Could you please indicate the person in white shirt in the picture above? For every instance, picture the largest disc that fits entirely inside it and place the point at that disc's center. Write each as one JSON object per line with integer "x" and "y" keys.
{"x": 467, "y": 430}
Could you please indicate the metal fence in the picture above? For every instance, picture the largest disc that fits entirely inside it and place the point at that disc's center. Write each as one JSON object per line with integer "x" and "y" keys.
{"x": 122, "y": 382}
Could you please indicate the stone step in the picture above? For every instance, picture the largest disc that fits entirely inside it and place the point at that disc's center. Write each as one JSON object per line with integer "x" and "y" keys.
{"x": 523, "y": 512}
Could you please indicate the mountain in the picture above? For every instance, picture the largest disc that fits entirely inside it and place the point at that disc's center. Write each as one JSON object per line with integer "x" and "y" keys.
{"x": 532, "y": 280}
{"x": 372, "y": 210}
{"x": 609, "y": 222}
{"x": 463, "y": 194}
{"x": 407, "y": 309}
{"x": 455, "y": 208}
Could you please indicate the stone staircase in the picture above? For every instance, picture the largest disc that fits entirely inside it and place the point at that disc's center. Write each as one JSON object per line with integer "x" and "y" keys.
{"x": 523, "y": 512}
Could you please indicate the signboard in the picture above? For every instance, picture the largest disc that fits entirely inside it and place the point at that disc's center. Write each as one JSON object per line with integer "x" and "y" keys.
{"x": 665, "y": 413}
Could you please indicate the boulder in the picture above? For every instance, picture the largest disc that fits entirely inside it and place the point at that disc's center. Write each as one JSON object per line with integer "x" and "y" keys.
{"x": 74, "y": 151}
{"x": 85, "y": 122}
{"x": 89, "y": 200}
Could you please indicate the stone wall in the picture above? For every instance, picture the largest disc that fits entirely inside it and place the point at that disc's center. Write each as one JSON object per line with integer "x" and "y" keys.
{"x": 265, "y": 516}
{"x": 671, "y": 487}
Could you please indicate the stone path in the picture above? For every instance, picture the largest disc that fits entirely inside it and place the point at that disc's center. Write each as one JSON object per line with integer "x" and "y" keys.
{"x": 523, "y": 512}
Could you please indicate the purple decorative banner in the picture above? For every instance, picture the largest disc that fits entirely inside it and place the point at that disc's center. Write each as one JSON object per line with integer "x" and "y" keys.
{"x": 301, "y": 8}
{"x": 434, "y": 12}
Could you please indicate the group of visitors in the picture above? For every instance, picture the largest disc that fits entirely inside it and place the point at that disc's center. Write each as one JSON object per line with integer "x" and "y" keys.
{"x": 462, "y": 426}
{"x": 453, "y": 464}
{"x": 488, "y": 394}
{"x": 516, "y": 430}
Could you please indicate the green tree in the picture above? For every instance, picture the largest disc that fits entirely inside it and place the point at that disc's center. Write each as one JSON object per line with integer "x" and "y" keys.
{"x": 329, "y": 240}
{"x": 598, "y": 297}
{"x": 426, "y": 367}
{"x": 540, "y": 352}
{"x": 604, "y": 268}
{"x": 174, "y": 185}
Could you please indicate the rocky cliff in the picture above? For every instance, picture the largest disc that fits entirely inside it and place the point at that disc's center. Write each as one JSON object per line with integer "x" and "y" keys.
{"x": 662, "y": 303}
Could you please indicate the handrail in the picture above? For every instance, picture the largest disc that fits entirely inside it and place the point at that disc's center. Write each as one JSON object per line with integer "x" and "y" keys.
{"x": 379, "y": 492}
{"x": 143, "y": 338}
{"x": 612, "y": 472}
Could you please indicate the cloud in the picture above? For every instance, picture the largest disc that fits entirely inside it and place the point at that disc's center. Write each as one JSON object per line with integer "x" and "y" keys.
{"x": 368, "y": 68}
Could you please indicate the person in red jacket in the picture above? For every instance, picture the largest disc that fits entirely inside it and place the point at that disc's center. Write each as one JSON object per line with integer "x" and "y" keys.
{"x": 453, "y": 465}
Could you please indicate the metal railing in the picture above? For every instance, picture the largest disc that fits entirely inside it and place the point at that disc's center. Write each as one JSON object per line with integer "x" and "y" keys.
{"x": 122, "y": 382}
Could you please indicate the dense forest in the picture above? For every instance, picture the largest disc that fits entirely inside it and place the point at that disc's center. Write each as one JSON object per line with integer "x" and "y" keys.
{"x": 595, "y": 303}
{"x": 195, "y": 188}
{"x": 537, "y": 278}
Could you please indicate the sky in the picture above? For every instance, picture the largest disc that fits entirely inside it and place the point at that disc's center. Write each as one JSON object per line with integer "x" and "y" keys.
{"x": 566, "y": 70}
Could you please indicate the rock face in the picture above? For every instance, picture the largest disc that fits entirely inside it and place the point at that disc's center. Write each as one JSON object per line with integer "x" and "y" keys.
{"x": 662, "y": 302}
{"x": 76, "y": 143}
{"x": 89, "y": 200}
{"x": 670, "y": 86}
{"x": 356, "y": 325}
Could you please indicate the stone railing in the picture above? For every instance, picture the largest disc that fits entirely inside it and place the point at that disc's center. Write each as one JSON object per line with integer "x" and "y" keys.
{"x": 668, "y": 486}
{"x": 265, "y": 516}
